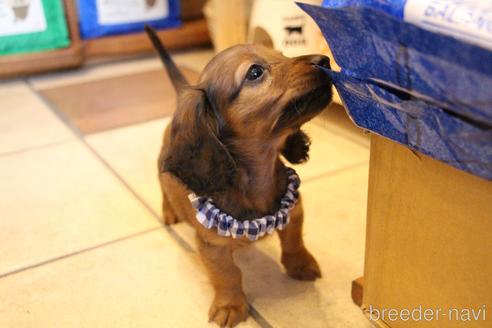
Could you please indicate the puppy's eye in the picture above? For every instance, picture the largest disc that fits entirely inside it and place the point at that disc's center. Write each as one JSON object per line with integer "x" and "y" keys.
{"x": 254, "y": 72}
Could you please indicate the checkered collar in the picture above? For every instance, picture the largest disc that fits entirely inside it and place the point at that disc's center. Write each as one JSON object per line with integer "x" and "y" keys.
{"x": 210, "y": 216}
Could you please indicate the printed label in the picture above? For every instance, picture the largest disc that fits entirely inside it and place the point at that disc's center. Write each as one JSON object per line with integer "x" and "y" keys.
{"x": 21, "y": 17}
{"x": 294, "y": 31}
{"x": 469, "y": 20}
{"x": 110, "y": 12}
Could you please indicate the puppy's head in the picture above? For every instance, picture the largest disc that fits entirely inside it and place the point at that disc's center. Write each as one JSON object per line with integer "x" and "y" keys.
{"x": 246, "y": 95}
{"x": 263, "y": 94}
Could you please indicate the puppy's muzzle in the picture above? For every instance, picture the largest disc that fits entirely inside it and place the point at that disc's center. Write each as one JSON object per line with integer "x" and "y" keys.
{"x": 320, "y": 60}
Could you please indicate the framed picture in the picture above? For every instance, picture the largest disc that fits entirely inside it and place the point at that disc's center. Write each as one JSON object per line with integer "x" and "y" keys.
{"x": 109, "y": 17}
{"x": 32, "y": 25}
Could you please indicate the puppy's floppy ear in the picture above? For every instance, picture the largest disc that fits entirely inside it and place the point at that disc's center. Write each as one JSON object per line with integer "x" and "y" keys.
{"x": 197, "y": 156}
{"x": 296, "y": 147}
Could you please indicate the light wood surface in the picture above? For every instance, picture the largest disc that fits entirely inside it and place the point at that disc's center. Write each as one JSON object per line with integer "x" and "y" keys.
{"x": 191, "y": 33}
{"x": 429, "y": 237}
{"x": 358, "y": 290}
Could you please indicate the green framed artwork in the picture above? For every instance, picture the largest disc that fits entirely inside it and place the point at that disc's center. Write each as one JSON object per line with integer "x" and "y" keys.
{"x": 28, "y": 26}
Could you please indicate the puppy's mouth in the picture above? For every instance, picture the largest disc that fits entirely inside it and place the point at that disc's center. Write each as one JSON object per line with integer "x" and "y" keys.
{"x": 305, "y": 107}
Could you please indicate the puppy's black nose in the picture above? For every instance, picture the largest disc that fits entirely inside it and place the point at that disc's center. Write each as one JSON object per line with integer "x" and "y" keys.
{"x": 321, "y": 60}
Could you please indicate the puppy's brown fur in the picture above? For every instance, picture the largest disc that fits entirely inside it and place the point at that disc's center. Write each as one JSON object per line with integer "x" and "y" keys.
{"x": 225, "y": 141}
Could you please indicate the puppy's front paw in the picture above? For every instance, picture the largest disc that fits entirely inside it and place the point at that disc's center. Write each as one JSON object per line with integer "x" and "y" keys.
{"x": 301, "y": 265}
{"x": 227, "y": 311}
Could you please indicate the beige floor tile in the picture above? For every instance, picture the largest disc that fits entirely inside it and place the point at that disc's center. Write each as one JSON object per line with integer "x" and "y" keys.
{"x": 335, "y": 210}
{"x": 132, "y": 151}
{"x": 141, "y": 144}
{"x": 25, "y": 121}
{"x": 194, "y": 59}
{"x": 58, "y": 200}
{"x": 335, "y": 224}
{"x": 147, "y": 281}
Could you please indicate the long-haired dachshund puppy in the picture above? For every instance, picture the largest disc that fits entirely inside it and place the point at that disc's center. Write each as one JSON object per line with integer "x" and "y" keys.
{"x": 225, "y": 144}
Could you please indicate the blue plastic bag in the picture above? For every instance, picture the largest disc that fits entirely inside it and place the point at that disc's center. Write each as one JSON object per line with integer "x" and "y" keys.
{"x": 429, "y": 91}
{"x": 108, "y": 17}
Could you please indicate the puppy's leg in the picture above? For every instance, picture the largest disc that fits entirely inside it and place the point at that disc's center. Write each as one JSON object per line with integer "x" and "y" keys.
{"x": 297, "y": 260}
{"x": 169, "y": 217}
{"x": 229, "y": 306}
{"x": 168, "y": 214}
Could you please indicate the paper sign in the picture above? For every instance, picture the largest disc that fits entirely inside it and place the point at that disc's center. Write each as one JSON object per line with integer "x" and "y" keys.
{"x": 112, "y": 12}
{"x": 468, "y": 20}
{"x": 21, "y": 17}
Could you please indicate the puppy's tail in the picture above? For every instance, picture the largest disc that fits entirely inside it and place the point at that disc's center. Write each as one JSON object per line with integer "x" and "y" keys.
{"x": 177, "y": 78}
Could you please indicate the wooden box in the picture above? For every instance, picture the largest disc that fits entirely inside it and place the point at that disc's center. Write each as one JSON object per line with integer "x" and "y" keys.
{"x": 429, "y": 242}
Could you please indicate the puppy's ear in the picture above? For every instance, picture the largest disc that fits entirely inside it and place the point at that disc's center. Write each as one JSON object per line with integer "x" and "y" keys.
{"x": 296, "y": 147}
{"x": 197, "y": 156}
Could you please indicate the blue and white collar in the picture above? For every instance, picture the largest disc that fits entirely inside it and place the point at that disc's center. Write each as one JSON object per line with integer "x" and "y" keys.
{"x": 210, "y": 216}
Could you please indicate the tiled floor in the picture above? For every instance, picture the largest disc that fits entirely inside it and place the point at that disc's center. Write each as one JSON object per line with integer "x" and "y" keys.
{"x": 82, "y": 245}
{"x": 120, "y": 100}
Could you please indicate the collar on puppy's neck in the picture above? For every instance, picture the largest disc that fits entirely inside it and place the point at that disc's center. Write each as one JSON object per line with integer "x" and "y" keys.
{"x": 210, "y": 216}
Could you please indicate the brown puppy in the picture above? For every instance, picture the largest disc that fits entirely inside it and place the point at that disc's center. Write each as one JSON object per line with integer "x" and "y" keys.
{"x": 225, "y": 142}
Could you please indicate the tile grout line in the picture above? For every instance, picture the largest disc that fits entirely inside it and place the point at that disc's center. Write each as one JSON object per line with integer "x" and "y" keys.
{"x": 260, "y": 320}
{"x": 183, "y": 243}
{"x": 34, "y": 148}
{"x": 84, "y": 250}
{"x": 81, "y": 138}
{"x": 89, "y": 79}
{"x": 62, "y": 117}
{"x": 84, "y": 69}
{"x": 255, "y": 314}
{"x": 127, "y": 125}
{"x": 140, "y": 57}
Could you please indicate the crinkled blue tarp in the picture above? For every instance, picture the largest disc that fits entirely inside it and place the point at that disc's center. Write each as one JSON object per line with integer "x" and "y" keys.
{"x": 429, "y": 91}
{"x": 90, "y": 28}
